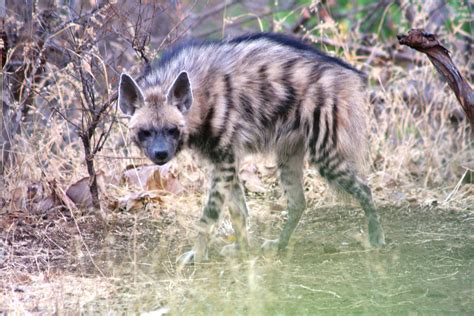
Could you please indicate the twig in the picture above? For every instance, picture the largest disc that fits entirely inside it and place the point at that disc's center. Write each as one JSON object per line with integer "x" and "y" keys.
{"x": 82, "y": 238}
{"x": 456, "y": 188}
{"x": 243, "y": 21}
{"x": 374, "y": 51}
{"x": 215, "y": 10}
{"x": 318, "y": 291}
{"x": 371, "y": 18}
{"x": 444, "y": 276}
{"x": 304, "y": 18}
{"x": 119, "y": 157}
{"x": 439, "y": 56}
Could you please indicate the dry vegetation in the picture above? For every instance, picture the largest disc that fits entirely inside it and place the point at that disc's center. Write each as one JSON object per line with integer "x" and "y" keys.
{"x": 66, "y": 250}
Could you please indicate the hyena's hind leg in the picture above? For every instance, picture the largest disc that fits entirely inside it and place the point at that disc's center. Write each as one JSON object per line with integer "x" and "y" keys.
{"x": 345, "y": 175}
{"x": 290, "y": 169}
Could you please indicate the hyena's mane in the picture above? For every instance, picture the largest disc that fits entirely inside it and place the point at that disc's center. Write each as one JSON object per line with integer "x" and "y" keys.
{"x": 289, "y": 41}
{"x": 175, "y": 50}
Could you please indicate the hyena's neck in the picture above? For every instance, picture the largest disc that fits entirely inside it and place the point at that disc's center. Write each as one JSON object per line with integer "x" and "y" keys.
{"x": 201, "y": 136}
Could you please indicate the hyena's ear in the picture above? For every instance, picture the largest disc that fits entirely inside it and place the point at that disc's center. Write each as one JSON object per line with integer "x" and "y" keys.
{"x": 180, "y": 93}
{"x": 130, "y": 95}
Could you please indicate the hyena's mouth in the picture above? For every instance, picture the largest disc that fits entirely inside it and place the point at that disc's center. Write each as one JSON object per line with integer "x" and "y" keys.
{"x": 159, "y": 157}
{"x": 161, "y": 162}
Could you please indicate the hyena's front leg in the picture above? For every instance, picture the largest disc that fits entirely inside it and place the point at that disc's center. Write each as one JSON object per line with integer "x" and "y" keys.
{"x": 239, "y": 216}
{"x": 291, "y": 178}
{"x": 223, "y": 177}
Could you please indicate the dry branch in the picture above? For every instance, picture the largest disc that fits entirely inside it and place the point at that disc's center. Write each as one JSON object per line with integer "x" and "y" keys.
{"x": 439, "y": 56}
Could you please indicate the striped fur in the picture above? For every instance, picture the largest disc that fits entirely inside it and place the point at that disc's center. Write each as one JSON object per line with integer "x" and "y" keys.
{"x": 260, "y": 93}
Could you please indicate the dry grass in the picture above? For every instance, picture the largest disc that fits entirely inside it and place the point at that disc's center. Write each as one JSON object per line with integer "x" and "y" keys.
{"x": 74, "y": 261}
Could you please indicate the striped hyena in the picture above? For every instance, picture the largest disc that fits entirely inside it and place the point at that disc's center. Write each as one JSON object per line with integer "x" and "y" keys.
{"x": 258, "y": 93}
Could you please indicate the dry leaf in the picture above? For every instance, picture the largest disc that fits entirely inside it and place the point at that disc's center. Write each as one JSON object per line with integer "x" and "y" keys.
{"x": 18, "y": 199}
{"x": 137, "y": 201}
{"x": 80, "y": 193}
{"x": 151, "y": 178}
{"x": 61, "y": 196}
{"x": 3, "y": 203}
{"x": 47, "y": 203}
{"x": 41, "y": 198}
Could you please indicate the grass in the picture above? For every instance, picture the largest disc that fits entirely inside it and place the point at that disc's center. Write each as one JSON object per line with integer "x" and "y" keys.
{"x": 426, "y": 268}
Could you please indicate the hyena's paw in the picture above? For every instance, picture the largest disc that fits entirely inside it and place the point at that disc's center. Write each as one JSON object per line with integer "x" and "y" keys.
{"x": 376, "y": 235}
{"x": 270, "y": 247}
{"x": 231, "y": 251}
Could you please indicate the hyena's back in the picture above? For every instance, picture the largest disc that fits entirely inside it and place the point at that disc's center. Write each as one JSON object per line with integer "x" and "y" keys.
{"x": 266, "y": 93}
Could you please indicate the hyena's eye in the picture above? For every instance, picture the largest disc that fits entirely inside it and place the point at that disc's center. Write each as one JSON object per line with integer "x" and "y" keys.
{"x": 143, "y": 134}
{"x": 173, "y": 131}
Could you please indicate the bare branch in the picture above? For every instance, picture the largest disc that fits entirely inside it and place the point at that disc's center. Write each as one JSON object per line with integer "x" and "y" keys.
{"x": 439, "y": 56}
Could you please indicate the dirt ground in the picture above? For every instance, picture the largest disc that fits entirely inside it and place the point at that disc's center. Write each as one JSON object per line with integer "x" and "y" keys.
{"x": 128, "y": 266}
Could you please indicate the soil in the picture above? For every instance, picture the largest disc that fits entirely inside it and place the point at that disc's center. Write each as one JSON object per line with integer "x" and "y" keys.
{"x": 427, "y": 267}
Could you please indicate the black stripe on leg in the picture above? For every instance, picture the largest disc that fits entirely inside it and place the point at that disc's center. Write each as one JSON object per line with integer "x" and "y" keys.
{"x": 211, "y": 212}
{"x": 348, "y": 184}
{"x": 229, "y": 178}
{"x": 216, "y": 195}
{"x": 328, "y": 168}
{"x": 228, "y": 169}
{"x": 331, "y": 175}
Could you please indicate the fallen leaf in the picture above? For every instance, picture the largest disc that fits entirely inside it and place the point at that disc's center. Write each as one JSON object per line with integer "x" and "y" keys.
{"x": 61, "y": 196}
{"x": 18, "y": 199}
{"x": 137, "y": 201}
{"x": 3, "y": 203}
{"x": 150, "y": 178}
{"x": 46, "y": 204}
{"x": 79, "y": 192}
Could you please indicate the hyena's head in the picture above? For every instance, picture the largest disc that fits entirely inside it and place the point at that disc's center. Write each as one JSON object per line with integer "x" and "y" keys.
{"x": 157, "y": 119}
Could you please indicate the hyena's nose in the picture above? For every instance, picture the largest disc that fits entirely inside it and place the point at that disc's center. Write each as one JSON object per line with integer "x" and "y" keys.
{"x": 161, "y": 155}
